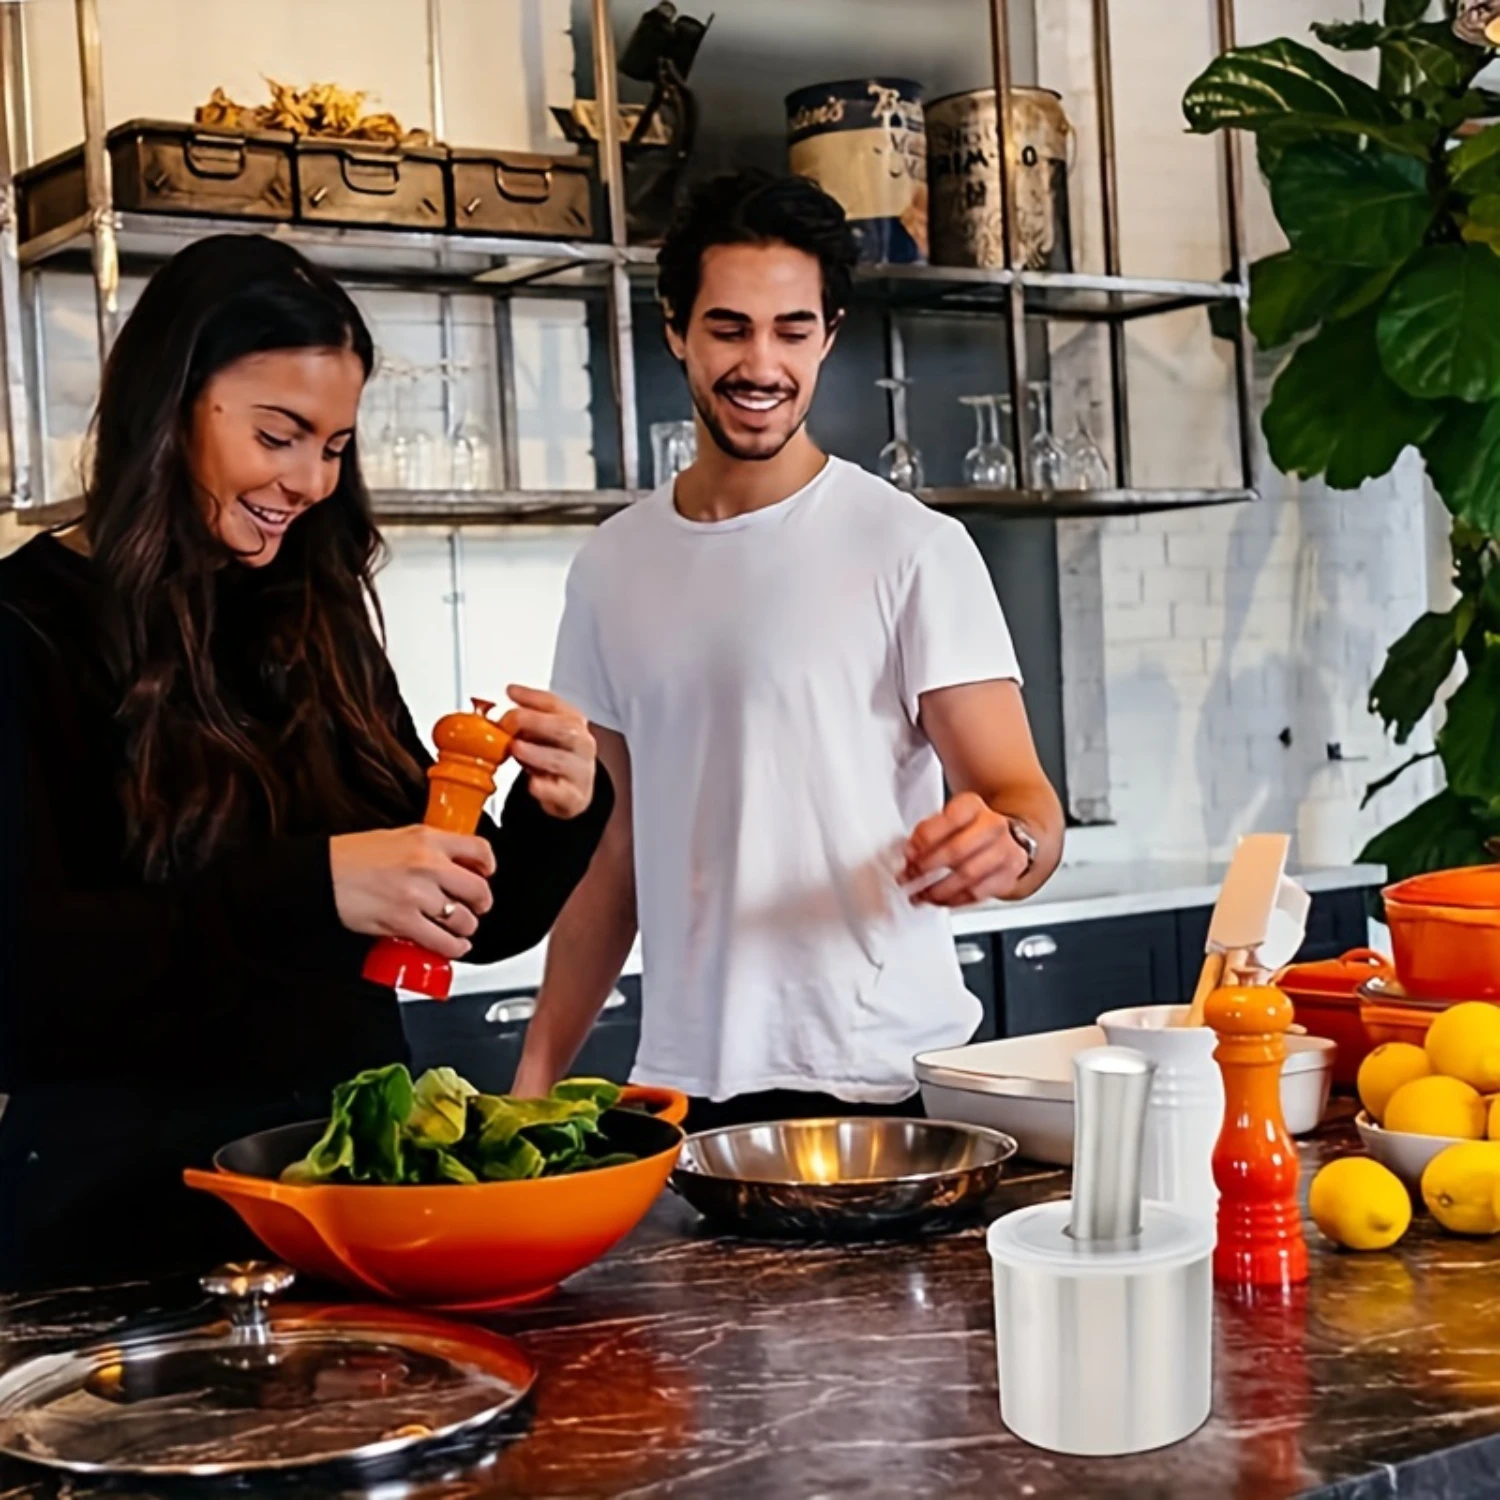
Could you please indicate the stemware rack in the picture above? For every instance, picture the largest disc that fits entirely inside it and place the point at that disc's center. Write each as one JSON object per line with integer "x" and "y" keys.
{"x": 106, "y": 240}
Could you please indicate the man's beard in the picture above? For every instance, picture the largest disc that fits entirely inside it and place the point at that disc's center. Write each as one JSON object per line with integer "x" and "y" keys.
{"x": 722, "y": 440}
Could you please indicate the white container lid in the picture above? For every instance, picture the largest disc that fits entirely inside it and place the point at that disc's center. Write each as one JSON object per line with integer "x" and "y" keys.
{"x": 1037, "y": 1238}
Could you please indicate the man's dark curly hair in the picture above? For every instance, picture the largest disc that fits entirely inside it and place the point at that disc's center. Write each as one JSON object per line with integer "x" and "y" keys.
{"x": 753, "y": 208}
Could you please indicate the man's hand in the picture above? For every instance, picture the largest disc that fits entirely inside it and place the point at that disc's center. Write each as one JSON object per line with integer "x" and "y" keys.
{"x": 974, "y": 844}
{"x": 553, "y": 742}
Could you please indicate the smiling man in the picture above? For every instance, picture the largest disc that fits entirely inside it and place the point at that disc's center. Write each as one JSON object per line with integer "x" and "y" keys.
{"x": 783, "y": 657}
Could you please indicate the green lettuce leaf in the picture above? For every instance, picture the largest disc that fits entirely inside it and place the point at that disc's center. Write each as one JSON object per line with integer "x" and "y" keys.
{"x": 440, "y": 1108}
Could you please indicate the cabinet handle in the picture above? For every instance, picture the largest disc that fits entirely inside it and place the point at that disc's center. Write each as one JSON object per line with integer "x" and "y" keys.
{"x": 970, "y": 954}
{"x": 1036, "y": 947}
{"x": 507, "y": 1012}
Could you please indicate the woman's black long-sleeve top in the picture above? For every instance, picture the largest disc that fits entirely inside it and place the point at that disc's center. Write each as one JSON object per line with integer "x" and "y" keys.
{"x": 144, "y": 1023}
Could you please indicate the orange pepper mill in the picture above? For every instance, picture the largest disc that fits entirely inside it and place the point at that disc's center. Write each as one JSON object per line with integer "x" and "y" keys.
{"x": 470, "y": 748}
{"x": 1255, "y": 1164}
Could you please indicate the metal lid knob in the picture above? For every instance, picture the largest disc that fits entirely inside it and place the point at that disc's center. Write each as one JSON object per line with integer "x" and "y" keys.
{"x": 1111, "y": 1089}
{"x": 247, "y": 1287}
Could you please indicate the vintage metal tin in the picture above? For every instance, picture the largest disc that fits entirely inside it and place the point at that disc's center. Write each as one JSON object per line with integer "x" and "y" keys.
{"x": 863, "y": 142}
{"x": 963, "y": 165}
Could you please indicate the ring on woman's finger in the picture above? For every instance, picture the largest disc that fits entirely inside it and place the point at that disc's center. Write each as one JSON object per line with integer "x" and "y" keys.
{"x": 449, "y": 908}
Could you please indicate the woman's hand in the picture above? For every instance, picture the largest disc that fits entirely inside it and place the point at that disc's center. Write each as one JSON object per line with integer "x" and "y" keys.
{"x": 553, "y": 744}
{"x": 418, "y": 883}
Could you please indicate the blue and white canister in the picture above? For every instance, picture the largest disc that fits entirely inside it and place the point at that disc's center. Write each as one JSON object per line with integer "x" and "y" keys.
{"x": 863, "y": 141}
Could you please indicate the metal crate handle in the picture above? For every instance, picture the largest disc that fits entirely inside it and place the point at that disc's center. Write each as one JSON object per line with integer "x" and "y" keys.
{"x": 214, "y": 156}
{"x": 513, "y": 191}
{"x": 370, "y": 174}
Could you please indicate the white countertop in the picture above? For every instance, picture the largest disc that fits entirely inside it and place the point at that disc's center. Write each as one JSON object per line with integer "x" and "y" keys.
{"x": 1077, "y": 893}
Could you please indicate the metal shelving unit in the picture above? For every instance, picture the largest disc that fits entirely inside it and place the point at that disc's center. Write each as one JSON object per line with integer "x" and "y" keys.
{"x": 106, "y": 241}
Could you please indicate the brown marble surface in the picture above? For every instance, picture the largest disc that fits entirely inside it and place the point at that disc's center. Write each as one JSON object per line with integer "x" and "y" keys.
{"x": 689, "y": 1365}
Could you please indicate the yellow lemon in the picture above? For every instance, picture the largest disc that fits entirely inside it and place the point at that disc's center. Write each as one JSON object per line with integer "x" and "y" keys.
{"x": 1358, "y": 1203}
{"x": 1385, "y": 1070}
{"x": 1459, "y": 1187}
{"x": 1494, "y": 1127}
{"x": 1464, "y": 1042}
{"x": 1437, "y": 1106}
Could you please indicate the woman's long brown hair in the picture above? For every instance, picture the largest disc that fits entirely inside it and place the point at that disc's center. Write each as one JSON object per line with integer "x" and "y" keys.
{"x": 301, "y": 734}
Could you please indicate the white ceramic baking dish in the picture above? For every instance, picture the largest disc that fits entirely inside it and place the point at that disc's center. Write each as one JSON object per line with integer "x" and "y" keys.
{"x": 1024, "y": 1086}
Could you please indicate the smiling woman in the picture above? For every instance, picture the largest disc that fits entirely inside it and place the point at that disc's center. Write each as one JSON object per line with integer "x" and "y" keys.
{"x": 209, "y": 786}
{"x": 268, "y": 441}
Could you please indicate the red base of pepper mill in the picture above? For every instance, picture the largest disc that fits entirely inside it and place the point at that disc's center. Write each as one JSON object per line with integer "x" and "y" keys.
{"x": 1255, "y": 1163}
{"x": 402, "y": 965}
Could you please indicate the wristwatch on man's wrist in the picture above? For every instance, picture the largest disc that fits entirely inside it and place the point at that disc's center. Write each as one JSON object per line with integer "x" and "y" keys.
{"x": 1026, "y": 839}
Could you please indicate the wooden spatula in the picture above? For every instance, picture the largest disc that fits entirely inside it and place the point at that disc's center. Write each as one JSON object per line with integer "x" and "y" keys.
{"x": 1242, "y": 914}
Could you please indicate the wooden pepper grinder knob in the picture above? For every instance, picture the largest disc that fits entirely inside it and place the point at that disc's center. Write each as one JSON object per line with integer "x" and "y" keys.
{"x": 1255, "y": 1163}
{"x": 470, "y": 748}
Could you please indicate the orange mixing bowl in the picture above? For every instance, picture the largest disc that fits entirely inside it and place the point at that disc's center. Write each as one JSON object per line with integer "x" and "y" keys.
{"x": 1445, "y": 933}
{"x": 456, "y": 1247}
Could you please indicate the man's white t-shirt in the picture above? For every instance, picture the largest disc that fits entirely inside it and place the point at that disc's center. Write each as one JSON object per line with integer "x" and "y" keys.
{"x": 765, "y": 672}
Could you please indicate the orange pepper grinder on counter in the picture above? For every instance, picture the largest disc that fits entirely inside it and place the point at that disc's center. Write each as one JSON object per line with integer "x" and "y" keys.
{"x": 470, "y": 748}
{"x": 1255, "y": 1164}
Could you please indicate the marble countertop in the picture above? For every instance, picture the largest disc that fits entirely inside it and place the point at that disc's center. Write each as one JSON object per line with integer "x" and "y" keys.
{"x": 686, "y": 1367}
{"x": 1077, "y": 893}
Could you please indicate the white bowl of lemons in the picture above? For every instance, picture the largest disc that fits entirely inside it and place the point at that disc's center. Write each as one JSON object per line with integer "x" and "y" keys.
{"x": 1405, "y": 1153}
{"x": 1432, "y": 1116}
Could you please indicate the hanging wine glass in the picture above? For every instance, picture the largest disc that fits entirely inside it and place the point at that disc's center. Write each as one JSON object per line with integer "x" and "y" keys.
{"x": 1049, "y": 464}
{"x": 412, "y": 452}
{"x": 988, "y": 464}
{"x": 900, "y": 460}
{"x": 674, "y": 447}
{"x": 469, "y": 459}
{"x": 374, "y": 436}
{"x": 1088, "y": 469}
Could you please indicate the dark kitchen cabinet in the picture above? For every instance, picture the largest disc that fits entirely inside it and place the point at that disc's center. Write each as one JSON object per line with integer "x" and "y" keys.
{"x": 481, "y": 1035}
{"x": 1065, "y": 974}
{"x": 976, "y": 961}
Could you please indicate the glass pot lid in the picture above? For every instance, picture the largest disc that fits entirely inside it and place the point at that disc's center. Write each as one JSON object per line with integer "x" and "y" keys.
{"x": 260, "y": 1389}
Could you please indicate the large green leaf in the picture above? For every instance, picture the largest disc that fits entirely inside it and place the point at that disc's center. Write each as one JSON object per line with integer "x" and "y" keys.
{"x": 1480, "y": 223}
{"x": 1272, "y": 142}
{"x": 1367, "y": 293}
{"x": 1439, "y": 329}
{"x": 1350, "y": 207}
{"x": 1333, "y": 412}
{"x": 1290, "y": 294}
{"x": 1463, "y": 461}
{"x": 1415, "y": 668}
{"x": 1351, "y": 36}
{"x": 1421, "y": 58}
{"x": 1401, "y": 12}
{"x": 1469, "y": 741}
{"x": 1442, "y": 834}
{"x": 1475, "y": 166}
{"x": 1282, "y": 83}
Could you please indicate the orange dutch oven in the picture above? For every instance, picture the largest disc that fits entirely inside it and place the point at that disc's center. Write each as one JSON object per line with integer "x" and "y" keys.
{"x": 1445, "y": 933}
{"x": 457, "y": 1247}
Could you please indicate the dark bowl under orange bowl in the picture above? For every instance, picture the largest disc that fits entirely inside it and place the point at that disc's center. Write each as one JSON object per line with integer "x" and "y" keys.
{"x": 456, "y": 1247}
{"x": 1445, "y": 933}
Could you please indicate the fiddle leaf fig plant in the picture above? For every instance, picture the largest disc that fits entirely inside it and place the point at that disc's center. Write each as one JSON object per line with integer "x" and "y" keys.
{"x": 1387, "y": 303}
